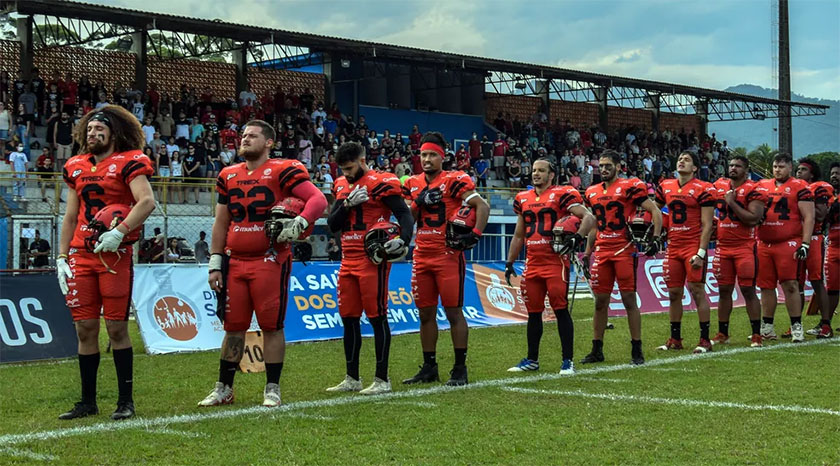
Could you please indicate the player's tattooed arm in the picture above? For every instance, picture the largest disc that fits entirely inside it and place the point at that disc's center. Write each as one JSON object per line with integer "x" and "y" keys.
{"x": 338, "y": 217}
{"x": 233, "y": 348}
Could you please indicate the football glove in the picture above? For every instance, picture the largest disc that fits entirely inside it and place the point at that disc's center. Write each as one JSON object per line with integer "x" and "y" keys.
{"x": 396, "y": 247}
{"x": 429, "y": 197}
{"x": 653, "y": 247}
{"x": 584, "y": 266}
{"x": 509, "y": 271}
{"x": 109, "y": 241}
{"x": 292, "y": 229}
{"x": 64, "y": 272}
{"x": 570, "y": 246}
{"x": 802, "y": 252}
{"x": 470, "y": 240}
{"x": 359, "y": 195}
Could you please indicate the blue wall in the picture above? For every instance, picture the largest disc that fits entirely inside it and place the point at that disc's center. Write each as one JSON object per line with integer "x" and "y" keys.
{"x": 453, "y": 126}
{"x": 4, "y": 241}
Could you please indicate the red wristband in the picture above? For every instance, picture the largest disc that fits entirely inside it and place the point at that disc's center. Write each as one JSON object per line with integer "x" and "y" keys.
{"x": 476, "y": 231}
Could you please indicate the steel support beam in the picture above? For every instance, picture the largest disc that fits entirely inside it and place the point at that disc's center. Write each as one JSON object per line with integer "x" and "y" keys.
{"x": 24, "y": 33}
{"x": 240, "y": 59}
{"x": 601, "y": 94}
{"x": 141, "y": 59}
{"x": 652, "y": 104}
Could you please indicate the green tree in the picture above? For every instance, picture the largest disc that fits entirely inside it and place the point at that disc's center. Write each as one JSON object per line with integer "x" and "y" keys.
{"x": 824, "y": 160}
{"x": 761, "y": 159}
{"x": 53, "y": 34}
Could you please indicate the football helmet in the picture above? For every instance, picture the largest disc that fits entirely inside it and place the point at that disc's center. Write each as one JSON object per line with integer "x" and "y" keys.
{"x": 563, "y": 231}
{"x": 287, "y": 208}
{"x": 107, "y": 219}
{"x": 459, "y": 229}
{"x": 375, "y": 240}
{"x": 640, "y": 226}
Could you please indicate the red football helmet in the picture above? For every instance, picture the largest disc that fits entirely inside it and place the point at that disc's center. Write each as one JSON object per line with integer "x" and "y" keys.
{"x": 459, "y": 227}
{"x": 375, "y": 240}
{"x": 107, "y": 219}
{"x": 289, "y": 207}
{"x": 563, "y": 229}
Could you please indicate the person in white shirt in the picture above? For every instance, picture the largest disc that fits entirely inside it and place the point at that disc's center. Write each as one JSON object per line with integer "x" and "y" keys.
{"x": 319, "y": 112}
{"x": 148, "y": 129}
{"x": 171, "y": 147}
{"x": 19, "y": 160}
{"x": 5, "y": 124}
{"x": 247, "y": 98}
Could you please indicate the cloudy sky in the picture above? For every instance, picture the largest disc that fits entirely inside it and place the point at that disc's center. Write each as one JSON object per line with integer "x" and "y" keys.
{"x": 707, "y": 43}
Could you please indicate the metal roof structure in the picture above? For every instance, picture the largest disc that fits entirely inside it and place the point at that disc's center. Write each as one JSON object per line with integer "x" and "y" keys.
{"x": 95, "y": 22}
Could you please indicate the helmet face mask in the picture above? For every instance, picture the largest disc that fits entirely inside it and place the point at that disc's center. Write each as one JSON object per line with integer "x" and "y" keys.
{"x": 375, "y": 240}
{"x": 641, "y": 227}
{"x": 564, "y": 229}
{"x": 107, "y": 219}
{"x": 288, "y": 208}
{"x": 459, "y": 227}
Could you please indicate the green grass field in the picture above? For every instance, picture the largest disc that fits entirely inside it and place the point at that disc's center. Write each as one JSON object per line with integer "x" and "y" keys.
{"x": 779, "y": 404}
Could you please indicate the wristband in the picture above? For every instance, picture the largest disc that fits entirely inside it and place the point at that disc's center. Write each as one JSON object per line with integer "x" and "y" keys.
{"x": 471, "y": 196}
{"x": 476, "y": 232}
{"x": 127, "y": 228}
{"x": 62, "y": 256}
{"x": 805, "y": 245}
{"x": 701, "y": 253}
{"x": 215, "y": 263}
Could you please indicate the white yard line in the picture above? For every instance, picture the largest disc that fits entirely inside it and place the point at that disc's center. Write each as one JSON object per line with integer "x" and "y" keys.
{"x": 317, "y": 417}
{"x": 676, "y": 401}
{"x": 177, "y": 433}
{"x": 211, "y": 414}
{"x": 20, "y": 453}
{"x": 601, "y": 379}
{"x": 421, "y": 404}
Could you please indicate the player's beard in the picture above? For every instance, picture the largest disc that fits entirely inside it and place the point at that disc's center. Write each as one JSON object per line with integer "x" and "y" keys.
{"x": 250, "y": 153}
{"x": 100, "y": 146}
{"x": 359, "y": 174}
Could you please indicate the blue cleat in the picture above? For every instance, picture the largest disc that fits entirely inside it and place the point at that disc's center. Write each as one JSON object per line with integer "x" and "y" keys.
{"x": 568, "y": 367}
{"x": 525, "y": 365}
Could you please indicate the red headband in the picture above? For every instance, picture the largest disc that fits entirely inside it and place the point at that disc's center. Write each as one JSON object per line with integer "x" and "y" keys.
{"x": 432, "y": 147}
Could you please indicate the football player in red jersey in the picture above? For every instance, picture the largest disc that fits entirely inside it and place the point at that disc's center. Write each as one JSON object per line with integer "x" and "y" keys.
{"x": 823, "y": 193}
{"x": 740, "y": 208}
{"x": 784, "y": 240}
{"x": 691, "y": 207}
{"x": 249, "y": 270}
{"x": 546, "y": 272}
{"x": 832, "y": 260}
{"x": 364, "y": 198}
{"x": 111, "y": 169}
{"x": 614, "y": 258}
{"x": 438, "y": 271}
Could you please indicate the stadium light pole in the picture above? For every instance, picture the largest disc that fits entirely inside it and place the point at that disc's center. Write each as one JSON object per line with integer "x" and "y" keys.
{"x": 785, "y": 125}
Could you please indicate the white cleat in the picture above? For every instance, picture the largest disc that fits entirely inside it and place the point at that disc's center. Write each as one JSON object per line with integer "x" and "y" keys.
{"x": 378, "y": 387}
{"x": 768, "y": 332}
{"x": 349, "y": 384}
{"x": 221, "y": 395}
{"x": 797, "y": 335}
{"x": 271, "y": 395}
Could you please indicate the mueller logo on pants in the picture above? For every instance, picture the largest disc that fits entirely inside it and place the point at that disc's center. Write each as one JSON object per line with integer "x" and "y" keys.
{"x": 176, "y": 318}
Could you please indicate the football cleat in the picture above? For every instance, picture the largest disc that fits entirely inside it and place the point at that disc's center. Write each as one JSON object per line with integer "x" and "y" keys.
{"x": 457, "y": 376}
{"x": 593, "y": 356}
{"x": 125, "y": 410}
{"x": 786, "y": 335}
{"x": 814, "y": 331}
{"x": 428, "y": 373}
{"x": 349, "y": 384}
{"x": 80, "y": 409}
{"x": 720, "y": 339}
{"x": 525, "y": 365}
{"x": 704, "y": 346}
{"x": 568, "y": 367}
{"x": 271, "y": 395}
{"x": 378, "y": 387}
{"x": 797, "y": 335}
{"x": 221, "y": 395}
{"x": 755, "y": 341}
{"x": 825, "y": 331}
{"x": 671, "y": 344}
{"x": 768, "y": 332}
{"x": 637, "y": 359}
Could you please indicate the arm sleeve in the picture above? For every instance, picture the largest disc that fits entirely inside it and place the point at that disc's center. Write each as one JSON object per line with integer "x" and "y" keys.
{"x": 822, "y": 194}
{"x": 637, "y": 192}
{"x": 660, "y": 195}
{"x": 316, "y": 203}
{"x": 71, "y": 183}
{"x": 460, "y": 183}
{"x": 707, "y": 197}
{"x": 403, "y": 215}
{"x": 221, "y": 189}
{"x": 804, "y": 194}
{"x": 338, "y": 217}
{"x": 517, "y": 206}
{"x": 136, "y": 167}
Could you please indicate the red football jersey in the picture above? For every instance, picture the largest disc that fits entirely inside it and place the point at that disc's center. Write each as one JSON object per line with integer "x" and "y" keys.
{"x": 229, "y": 138}
{"x": 685, "y": 204}
{"x": 101, "y": 184}
{"x": 431, "y": 220}
{"x": 731, "y": 232}
{"x": 539, "y": 214}
{"x": 364, "y": 216}
{"x": 823, "y": 194}
{"x": 833, "y": 220}
{"x": 612, "y": 206}
{"x": 782, "y": 220}
{"x": 249, "y": 197}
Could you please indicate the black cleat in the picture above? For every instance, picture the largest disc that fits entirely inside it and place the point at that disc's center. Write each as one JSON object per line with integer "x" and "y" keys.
{"x": 125, "y": 410}
{"x": 457, "y": 376}
{"x": 80, "y": 409}
{"x": 428, "y": 373}
{"x": 637, "y": 359}
{"x": 593, "y": 356}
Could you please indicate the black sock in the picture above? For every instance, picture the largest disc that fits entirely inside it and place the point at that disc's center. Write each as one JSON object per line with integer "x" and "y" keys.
{"x": 566, "y": 329}
{"x": 597, "y": 346}
{"x": 535, "y": 331}
{"x": 429, "y": 358}
{"x": 767, "y": 320}
{"x": 756, "y": 326}
{"x": 88, "y": 367}
{"x": 676, "y": 329}
{"x": 382, "y": 344}
{"x": 460, "y": 356}
{"x": 825, "y": 322}
{"x": 723, "y": 327}
{"x": 124, "y": 363}
{"x": 273, "y": 371}
{"x": 704, "y": 330}
{"x": 635, "y": 347}
{"x": 227, "y": 370}
{"x": 795, "y": 320}
{"x": 352, "y": 345}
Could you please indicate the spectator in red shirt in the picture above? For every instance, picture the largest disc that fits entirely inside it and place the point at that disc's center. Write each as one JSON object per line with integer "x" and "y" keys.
{"x": 462, "y": 158}
{"x": 416, "y": 166}
{"x": 475, "y": 148}
{"x": 292, "y": 99}
{"x": 500, "y": 147}
{"x": 414, "y": 138}
{"x": 229, "y": 137}
{"x": 207, "y": 95}
{"x": 70, "y": 91}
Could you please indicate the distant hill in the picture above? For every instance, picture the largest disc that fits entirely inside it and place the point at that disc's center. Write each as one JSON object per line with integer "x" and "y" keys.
{"x": 810, "y": 134}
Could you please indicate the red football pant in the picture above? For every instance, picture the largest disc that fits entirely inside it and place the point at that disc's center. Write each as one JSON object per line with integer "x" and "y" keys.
{"x": 607, "y": 267}
{"x": 258, "y": 285}
{"x": 542, "y": 281}
{"x": 678, "y": 270}
{"x": 363, "y": 285}
{"x": 778, "y": 264}
{"x": 94, "y": 288}
{"x": 816, "y": 259}
{"x": 832, "y": 269}
{"x": 731, "y": 262}
{"x": 442, "y": 276}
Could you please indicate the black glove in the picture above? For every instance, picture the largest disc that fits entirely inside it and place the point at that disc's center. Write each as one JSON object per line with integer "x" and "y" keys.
{"x": 571, "y": 245}
{"x": 584, "y": 267}
{"x": 653, "y": 247}
{"x": 509, "y": 271}
{"x": 470, "y": 240}
{"x": 429, "y": 197}
{"x": 802, "y": 252}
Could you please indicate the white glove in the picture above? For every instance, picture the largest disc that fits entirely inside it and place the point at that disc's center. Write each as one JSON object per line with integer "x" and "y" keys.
{"x": 292, "y": 229}
{"x": 359, "y": 195}
{"x": 397, "y": 247}
{"x": 64, "y": 273}
{"x": 109, "y": 241}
